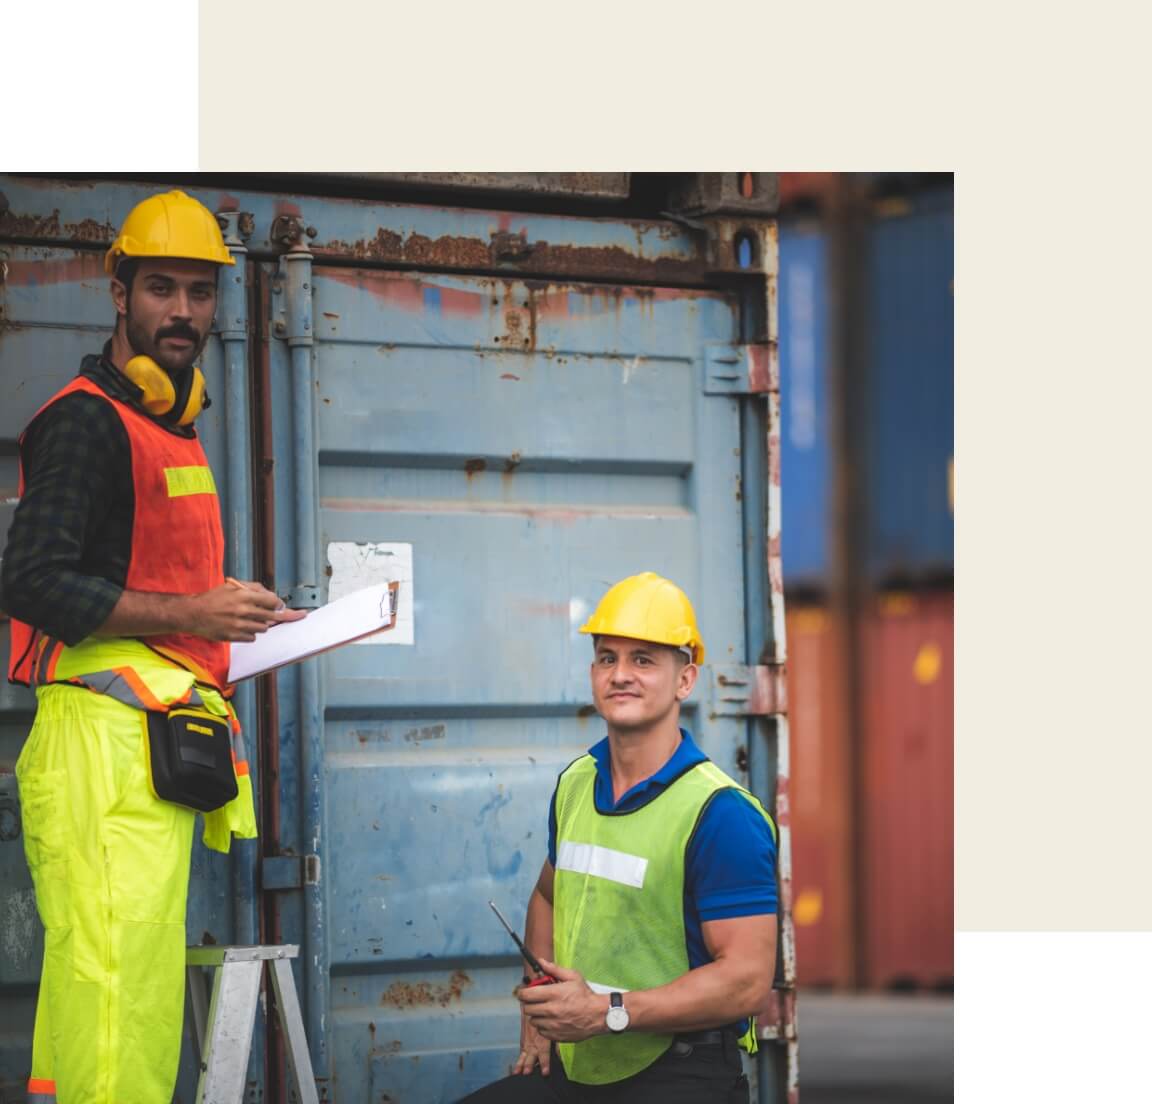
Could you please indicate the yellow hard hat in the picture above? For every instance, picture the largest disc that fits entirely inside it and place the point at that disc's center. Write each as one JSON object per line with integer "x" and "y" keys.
{"x": 648, "y": 607}
{"x": 169, "y": 224}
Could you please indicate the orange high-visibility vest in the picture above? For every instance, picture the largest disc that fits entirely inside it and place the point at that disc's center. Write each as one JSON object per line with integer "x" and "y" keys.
{"x": 177, "y": 544}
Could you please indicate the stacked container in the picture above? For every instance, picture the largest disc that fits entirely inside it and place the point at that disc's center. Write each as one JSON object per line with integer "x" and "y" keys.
{"x": 866, "y": 448}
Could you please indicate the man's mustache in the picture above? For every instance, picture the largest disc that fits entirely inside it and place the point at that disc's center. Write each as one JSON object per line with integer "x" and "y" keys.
{"x": 185, "y": 333}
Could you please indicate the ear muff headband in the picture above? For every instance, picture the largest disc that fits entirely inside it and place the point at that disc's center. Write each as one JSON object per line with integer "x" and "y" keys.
{"x": 161, "y": 396}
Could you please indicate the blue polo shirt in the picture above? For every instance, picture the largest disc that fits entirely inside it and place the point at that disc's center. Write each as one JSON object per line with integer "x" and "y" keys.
{"x": 730, "y": 863}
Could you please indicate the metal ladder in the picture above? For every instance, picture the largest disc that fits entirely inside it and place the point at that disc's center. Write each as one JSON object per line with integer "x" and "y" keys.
{"x": 224, "y": 1026}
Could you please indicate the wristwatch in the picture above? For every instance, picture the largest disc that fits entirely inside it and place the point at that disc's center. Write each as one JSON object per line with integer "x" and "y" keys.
{"x": 617, "y": 1018}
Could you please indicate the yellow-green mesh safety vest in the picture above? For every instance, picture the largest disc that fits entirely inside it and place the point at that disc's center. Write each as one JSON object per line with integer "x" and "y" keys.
{"x": 129, "y": 671}
{"x": 619, "y": 903}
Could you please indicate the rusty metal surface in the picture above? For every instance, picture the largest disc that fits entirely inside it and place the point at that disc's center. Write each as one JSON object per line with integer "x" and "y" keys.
{"x": 596, "y": 186}
{"x": 372, "y": 232}
{"x": 745, "y": 193}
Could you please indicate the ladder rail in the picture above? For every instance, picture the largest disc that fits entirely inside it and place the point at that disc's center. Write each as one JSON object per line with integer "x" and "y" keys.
{"x": 224, "y": 1024}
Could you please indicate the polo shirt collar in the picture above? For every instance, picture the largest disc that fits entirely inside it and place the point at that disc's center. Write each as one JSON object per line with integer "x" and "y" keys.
{"x": 686, "y": 756}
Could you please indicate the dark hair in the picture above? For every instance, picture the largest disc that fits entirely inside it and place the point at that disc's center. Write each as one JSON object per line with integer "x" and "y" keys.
{"x": 126, "y": 272}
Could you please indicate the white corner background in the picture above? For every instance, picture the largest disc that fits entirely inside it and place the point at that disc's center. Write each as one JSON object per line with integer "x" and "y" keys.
{"x": 110, "y": 87}
{"x": 1051, "y": 1017}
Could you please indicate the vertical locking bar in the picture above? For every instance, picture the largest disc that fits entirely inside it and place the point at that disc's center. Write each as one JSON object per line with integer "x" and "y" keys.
{"x": 232, "y": 323}
{"x": 768, "y": 749}
{"x": 296, "y": 266}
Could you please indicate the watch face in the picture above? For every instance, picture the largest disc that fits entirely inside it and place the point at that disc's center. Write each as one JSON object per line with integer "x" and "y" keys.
{"x": 617, "y": 1018}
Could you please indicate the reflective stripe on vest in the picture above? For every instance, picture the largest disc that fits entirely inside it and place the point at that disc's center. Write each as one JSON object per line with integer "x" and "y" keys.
{"x": 619, "y": 902}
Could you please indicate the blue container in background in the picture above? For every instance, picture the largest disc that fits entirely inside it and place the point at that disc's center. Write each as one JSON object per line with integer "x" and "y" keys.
{"x": 805, "y": 431}
{"x": 909, "y": 408}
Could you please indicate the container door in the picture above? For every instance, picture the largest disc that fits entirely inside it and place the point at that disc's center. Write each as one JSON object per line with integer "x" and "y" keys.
{"x": 507, "y": 449}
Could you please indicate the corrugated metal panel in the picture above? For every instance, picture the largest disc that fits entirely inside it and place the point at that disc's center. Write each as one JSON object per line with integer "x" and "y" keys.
{"x": 532, "y": 441}
{"x": 907, "y": 813}
{"x": 823, "y": 909}
{"x": 909, "y": 418}
{"x": 532, "y": 444}
{"x": 806, "y": 453}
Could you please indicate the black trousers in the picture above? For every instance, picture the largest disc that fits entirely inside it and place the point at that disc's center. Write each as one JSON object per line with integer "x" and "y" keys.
{"x": 684, "y": 1074}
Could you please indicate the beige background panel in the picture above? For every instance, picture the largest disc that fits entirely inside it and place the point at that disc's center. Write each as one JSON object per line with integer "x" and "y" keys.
{"x": 1035, "y": 109}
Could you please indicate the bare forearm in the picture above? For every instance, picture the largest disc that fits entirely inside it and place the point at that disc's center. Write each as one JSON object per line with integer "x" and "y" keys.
{"x": 141, "y": 613}
{"x": 709, "y": 996}
{"x": 538, "y": 929}
{"x": 233, "y": 612}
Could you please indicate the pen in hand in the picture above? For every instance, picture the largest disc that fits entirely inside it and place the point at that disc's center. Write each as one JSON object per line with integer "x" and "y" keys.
{"x": 235, "y": 583}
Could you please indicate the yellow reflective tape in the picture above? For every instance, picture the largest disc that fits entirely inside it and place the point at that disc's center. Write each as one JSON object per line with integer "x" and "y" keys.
{"x": 189, "y": 481}
{"x": 201, "y": 728}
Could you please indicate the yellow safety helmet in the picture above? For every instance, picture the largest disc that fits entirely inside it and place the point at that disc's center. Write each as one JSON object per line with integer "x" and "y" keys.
{"x": 169, "y": 224}
{"x": 648, "y": 607}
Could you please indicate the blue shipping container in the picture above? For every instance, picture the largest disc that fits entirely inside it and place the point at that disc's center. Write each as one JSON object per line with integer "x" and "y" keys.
{"x": 806, "y": 453}
{"x": 909, "y": 416}
{"x": 507, "y": 445}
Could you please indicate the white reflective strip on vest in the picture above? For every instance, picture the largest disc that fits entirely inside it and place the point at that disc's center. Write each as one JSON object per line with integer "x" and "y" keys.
{"x": 604, "y": 990}
{"x": 602, "y": 862}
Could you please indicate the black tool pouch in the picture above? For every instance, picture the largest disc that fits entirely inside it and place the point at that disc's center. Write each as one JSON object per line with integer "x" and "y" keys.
{"x": 190, "y": 759}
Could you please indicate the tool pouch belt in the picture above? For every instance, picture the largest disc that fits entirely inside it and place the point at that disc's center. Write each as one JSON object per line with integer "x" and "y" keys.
{"x": 190, "y": 759}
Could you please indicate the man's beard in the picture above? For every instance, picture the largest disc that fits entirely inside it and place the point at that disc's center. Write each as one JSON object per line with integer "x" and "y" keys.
{"x": 146, "y": 344}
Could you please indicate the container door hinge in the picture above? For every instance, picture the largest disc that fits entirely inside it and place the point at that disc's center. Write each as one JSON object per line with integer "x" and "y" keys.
{"x": 281, "y": 872}
{"x": 743, "y": 691}
{"x": 741, "y": 369}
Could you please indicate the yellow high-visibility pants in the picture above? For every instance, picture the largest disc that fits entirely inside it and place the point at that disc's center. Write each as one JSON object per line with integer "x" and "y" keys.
{"x": 110, "y": 866}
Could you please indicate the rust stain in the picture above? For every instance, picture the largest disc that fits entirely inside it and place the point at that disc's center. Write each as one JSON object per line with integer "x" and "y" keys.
{"x": 455, "y": 251}
{"x": 329, "y": 314}
{"x": 509, "y": 376}
{"x": 50, "y": 226}
{"x": 460, "y": 303}
{"x": 542, "y": 609}
{"x": 53, "y": 270}
{"x": 586, "y": 711}
{"x": 401, "y": 291}
{"x": 512, "y": 463}
{"x": 404, "y": 994}
{"x": 479, "y": 464}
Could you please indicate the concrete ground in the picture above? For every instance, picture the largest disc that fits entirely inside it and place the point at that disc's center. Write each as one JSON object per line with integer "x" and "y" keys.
{"x": 890, "y": 1049}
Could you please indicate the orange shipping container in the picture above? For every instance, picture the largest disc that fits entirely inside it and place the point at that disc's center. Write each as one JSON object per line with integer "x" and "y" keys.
{"x": 821, "y": 832}
{"x": 907, "y": 695}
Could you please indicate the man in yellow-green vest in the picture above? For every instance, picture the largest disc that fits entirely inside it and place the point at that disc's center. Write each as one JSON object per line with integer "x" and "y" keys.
{"x": 655, "y": 912}
{"x": 122, "y": 621}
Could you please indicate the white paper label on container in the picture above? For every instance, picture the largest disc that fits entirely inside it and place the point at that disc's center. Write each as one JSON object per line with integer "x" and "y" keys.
{"x": 355, "y": 566}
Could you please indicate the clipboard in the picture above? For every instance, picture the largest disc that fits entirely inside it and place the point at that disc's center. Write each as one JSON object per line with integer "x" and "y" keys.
{"x": 350, "y": 618}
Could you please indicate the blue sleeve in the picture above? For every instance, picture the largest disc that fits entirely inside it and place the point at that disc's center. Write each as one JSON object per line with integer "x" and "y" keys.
{"x": 730, "y": 867}
{"x": 552, "y": 830}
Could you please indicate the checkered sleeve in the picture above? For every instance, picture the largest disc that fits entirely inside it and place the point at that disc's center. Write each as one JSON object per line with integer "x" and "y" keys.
{"x": 77, "y": 471}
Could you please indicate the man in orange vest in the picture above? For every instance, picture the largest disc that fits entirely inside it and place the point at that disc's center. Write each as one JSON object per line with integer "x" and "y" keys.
{"x": 122, "y": 621}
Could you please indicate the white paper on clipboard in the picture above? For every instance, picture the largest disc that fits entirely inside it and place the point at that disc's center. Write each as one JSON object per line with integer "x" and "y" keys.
{"x": 349, "y": 618}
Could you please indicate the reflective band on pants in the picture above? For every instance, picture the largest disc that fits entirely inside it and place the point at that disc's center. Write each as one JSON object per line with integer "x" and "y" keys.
{"x": 110, "y": 866}
{"x": 41, "y": 1091}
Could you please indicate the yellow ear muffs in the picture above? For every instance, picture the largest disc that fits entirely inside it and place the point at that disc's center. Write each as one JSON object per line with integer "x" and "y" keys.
{"x": 160, "y": 395}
